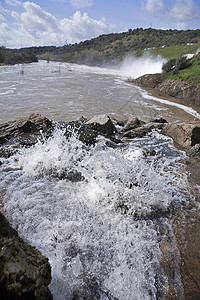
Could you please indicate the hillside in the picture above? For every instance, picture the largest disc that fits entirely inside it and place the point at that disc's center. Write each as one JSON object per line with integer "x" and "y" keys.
{"x": 180, "y": 79}
{"x": 191, "y": 73}
{"x": 12, "y": 57}
{"x": 112, "y": 48}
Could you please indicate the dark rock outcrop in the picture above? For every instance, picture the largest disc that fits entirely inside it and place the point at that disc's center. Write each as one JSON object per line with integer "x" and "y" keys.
{"x": 88, "y": 130}
{"x": 148, "y": 80}
{"x": 141, "y": 130}
{"x": 132, "y": 123}
{"x": 84, "y": 132}
{"x": 24, "y": 128}
{"x": 102, "y": 124}
{"x": 185, "y": 134}
{"x": 137, "y": 132}
{"x": 188, "y": 94}
{"x": 24, "y": 272}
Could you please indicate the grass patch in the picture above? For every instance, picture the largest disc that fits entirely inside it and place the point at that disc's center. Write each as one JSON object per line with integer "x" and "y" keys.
{"x": 174, "y": 51}
{"x": 190, "y": 74}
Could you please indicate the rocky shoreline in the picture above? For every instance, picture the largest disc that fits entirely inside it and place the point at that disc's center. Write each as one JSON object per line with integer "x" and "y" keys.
{"x": 26, "y": 273}
{"x": 187, "y": 94}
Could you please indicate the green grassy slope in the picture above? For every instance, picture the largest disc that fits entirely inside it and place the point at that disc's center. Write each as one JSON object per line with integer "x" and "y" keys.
{"x": 174, "y": 51}
{"x": 191, "y": 74}
{"x": 112, "y": 48}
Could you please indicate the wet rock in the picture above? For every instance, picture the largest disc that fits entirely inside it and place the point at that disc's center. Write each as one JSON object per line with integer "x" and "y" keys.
{"x": 84, "y": 132}
{"x": 136, "y": 133}
{"x": 185, "y": 134}
{"x": 189, "y": 93}
{"x": 82, "y": 119}
{"x": 132, "y": 123}
{"x": 172, "y": 288}
{"x": 102, "y": 124}
{"x": 120, "y": 123}
{"x": 160, "y": 120}
{"x": 23, "y": 127}
{"x": 148, "y": 80}
{"x": 25, "y": 272}
{"x": 142, "y": 130}
{"x": 87, "y": 135}
{"x": 150, "y": 152}
{"x": 6, "y": 152}
{"x": 73, "y": 176}
{"x": 186, "y": 228}
{"x": 195, "y": 150}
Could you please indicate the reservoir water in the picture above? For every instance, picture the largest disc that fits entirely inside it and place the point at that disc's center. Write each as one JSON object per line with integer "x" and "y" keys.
{"x": 62, "y": 91}
{"x": 102, "y": 233}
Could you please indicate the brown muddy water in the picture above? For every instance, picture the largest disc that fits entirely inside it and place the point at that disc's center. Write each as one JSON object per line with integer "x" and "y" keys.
{"x": 62, "y": 91}
{"x": 108, "y": 235}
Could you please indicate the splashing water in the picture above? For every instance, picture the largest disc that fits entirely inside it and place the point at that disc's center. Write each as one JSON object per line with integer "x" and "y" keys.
{"x": 98, "y": 227}
{"x": 134, "y": 67}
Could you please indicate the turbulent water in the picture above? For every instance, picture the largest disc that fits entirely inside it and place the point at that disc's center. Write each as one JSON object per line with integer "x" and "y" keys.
{"x": 64, "y": 91}
{"x": 101, "y": 231}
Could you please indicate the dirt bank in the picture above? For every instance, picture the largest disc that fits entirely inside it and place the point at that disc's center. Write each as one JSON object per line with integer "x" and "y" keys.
{"x": 185, "y": 93}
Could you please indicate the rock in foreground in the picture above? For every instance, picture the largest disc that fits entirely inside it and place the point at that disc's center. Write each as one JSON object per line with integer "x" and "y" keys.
{"x": 102, "y": 124}
{"x": 186, "y": 134}
{"x": 24, "y": 128}
{"x": 24, "y": 272}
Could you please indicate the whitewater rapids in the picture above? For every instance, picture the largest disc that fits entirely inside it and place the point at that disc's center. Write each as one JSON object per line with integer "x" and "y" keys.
{"x": 101, "y": 232}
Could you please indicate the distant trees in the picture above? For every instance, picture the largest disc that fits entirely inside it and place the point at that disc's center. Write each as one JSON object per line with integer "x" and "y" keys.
{"x": 176, "y": 65}
{"x": 11, "y": 56}
{"x": 105, "y": 48}
{"x": 169, "y": 65}
{"x": 1, "y": 54}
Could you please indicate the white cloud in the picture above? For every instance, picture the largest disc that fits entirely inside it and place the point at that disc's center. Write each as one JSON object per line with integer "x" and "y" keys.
{"x": 13, "y": 2}
{"x": 5, "y": 33}
{"x": 36, "y": 27}
{"x": 181, "y": 26}
{"x": 183, "y": 10}
{"x": 16, "y": 15}
{"x": 180, "y": 10}
{"x": 153, "y": 6}
{"x": 35, "y": 19}
{"x": 82, "y": 27}
{"x": 2, "y": 18}
{"x": 3, "y": 10}
{"x": 81, "y": 3}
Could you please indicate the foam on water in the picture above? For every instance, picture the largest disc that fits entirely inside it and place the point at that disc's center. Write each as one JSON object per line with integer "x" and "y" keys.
{"x": 187, "y": 109}
{"x": 99, "y": 230}
{"x": 134, "y": 67}
{"x": 64, "y": 91}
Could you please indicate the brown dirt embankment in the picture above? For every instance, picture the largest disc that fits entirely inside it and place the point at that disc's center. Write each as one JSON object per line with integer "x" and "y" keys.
{"x": 187, "y": 94}
{"x": 185, "y": 222}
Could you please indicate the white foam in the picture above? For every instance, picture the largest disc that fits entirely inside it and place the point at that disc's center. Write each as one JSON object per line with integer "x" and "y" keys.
{"x": 134, "y": 67}
{"x": 86, "y": 228}
{"x": 187, "y": 109}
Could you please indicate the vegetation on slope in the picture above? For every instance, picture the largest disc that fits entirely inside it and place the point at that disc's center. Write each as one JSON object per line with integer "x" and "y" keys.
{"x": 12, "y": 57}
{"x": 184, "y": 69}
{"x": 112, "y": 48}
{"x": 171, "y": 52}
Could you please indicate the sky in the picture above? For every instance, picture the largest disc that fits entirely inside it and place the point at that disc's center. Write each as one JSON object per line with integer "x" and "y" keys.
{"x": 61, "y": 22}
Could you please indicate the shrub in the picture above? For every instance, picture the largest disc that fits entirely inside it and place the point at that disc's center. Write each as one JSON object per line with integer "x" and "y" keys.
{"x": 176, "y": 65}
{"x": 181, "y": 63}
{"x": 169, "y": 65}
